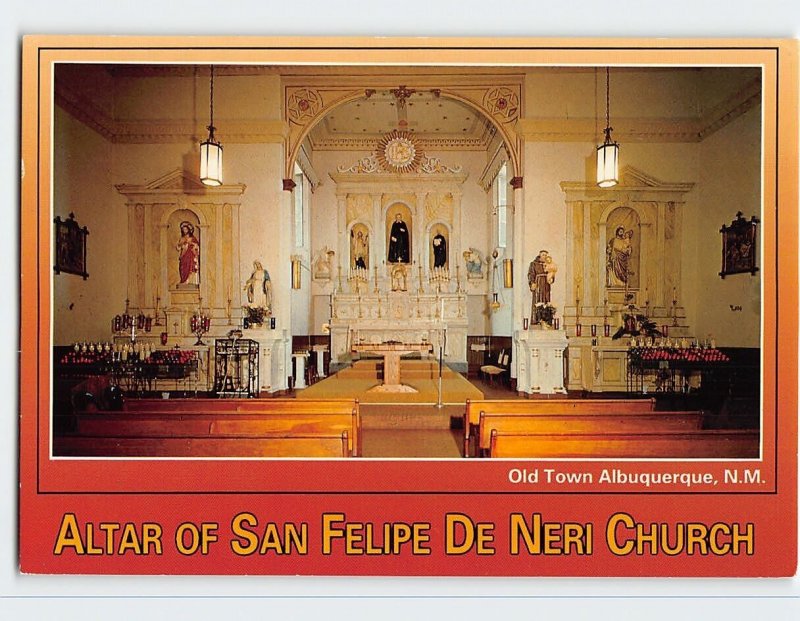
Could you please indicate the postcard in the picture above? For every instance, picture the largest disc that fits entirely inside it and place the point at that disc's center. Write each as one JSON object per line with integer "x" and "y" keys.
{"x": 423, "y": 307}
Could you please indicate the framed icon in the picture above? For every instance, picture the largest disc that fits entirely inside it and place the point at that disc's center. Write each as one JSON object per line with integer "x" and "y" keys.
{"x": 739, "y": 246}
{"x": 70, "y": 247}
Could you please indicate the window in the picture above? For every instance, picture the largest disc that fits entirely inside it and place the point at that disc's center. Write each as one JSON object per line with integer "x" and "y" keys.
{"x": 501, "y": 199}
{"x": 299, "y": 222}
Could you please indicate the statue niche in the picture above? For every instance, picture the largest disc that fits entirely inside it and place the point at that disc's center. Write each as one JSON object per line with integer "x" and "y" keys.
{"x": 398, "y": 236}
{"x": 438, "y": 258}
{"x": 359, "y": 247}
{"x": 622, "y": 249}
{"x": 186, "y": 271}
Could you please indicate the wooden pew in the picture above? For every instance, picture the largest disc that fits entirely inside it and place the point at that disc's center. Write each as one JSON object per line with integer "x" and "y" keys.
{"x": 666, "y": 445}
{"x": 288, "y": 408}
{"x": 163, "y": 424}
{"x": 236, "y": 446}
{"x": 582, "y": 422}
{"x": 544, "y": 406}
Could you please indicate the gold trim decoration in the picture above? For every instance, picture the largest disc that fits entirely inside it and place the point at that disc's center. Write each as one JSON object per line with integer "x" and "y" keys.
{"x": 399, "y": 151}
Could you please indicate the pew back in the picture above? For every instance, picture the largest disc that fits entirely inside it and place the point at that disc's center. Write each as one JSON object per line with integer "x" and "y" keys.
{"x": 666, "y": 445}
{"x": 545, "y": 406}
{"x": 594, "y": 422}
{"x": 236, "y": 446}
{"x": 299, "y": 410}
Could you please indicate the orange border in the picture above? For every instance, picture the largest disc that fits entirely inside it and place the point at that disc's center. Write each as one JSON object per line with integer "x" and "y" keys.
{"x": 48, "y": 485}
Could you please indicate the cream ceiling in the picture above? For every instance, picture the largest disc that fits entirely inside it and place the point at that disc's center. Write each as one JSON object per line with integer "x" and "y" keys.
{"x": 428, "y": 116}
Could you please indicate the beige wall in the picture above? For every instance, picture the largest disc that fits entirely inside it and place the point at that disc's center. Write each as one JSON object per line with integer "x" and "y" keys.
{"x": 82, "y": 176}
{"x": 730, "y": 181}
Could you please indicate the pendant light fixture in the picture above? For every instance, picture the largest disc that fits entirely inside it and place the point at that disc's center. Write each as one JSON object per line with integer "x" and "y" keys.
{"x": 608, "y": 152}
{"x": 211, "y": 149}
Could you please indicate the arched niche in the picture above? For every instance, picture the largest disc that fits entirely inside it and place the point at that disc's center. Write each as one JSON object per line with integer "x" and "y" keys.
{"x": 360, "y": 245}
{"x": 398, "y": 215}
{"x": 179, "y": 224}
{"x": 438, "y": 231}
{"x": 622, "y": 235}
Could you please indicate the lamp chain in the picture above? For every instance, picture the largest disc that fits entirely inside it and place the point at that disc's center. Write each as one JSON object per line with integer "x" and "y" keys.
{"x": 211, "y": 128}
{"x": 608, "y": 102}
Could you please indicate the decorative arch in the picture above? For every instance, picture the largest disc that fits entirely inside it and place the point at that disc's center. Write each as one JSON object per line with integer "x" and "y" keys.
{"x": 306, "y": 106}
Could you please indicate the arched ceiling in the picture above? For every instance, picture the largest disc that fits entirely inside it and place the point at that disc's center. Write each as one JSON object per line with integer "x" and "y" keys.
{"x": 429, "y": 117}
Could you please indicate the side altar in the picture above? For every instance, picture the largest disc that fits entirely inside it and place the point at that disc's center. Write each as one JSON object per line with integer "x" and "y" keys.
{"x": 439, "y": 319}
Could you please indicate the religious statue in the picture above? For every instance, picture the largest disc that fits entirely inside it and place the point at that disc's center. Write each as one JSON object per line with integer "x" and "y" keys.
{"x": 399, "y": 277}
{"x": 359, "y": 248}
{"x": 323, "y": 265}
{"x": 399, "y": 246}
{"x": 188, "y": 255}
{"x": 474, "y": 263}
{"x": 439, "y": 250}
{"x": 259, "y": 289}
{"x": 541, "y": 275}
{"x": 618, "y": 256}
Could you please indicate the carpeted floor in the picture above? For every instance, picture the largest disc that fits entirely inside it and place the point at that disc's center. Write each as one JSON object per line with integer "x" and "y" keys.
{"x": 422, "y": 375}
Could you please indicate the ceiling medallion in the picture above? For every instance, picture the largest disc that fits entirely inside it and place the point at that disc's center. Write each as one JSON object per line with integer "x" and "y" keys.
{"x": 399, "y": 151}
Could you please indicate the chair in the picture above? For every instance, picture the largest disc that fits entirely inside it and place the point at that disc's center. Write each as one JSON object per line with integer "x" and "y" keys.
{"x": 491, "y": 371}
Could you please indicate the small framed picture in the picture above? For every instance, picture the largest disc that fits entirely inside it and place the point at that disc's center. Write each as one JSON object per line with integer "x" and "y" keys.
{"x": 70, "y": 247}
{"x": 739, "y": 246}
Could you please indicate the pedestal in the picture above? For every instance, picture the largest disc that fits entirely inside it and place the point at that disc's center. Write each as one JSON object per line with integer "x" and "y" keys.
{"x": 320, "y": 351}
{"x": 300, "y": 369}
{"x": 540, "y": 369}
{"x": 272, "y": 360}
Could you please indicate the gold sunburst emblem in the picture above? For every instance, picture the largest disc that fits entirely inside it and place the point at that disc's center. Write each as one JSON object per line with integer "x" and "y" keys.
{"x": 399, "y": 151}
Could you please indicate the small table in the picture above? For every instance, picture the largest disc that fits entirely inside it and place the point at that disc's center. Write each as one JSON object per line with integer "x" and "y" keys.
{"x": 391, "y": 353}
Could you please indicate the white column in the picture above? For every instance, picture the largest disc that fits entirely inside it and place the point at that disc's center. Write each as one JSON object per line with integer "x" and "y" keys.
{"x": 320, "y": 351}
{"x": 300, "y": 369}
{"x": 377, "y": 245}
{"x": 520, "y": 281}
{"x": 344, "y": 241}
{"x": 419, "y": 244}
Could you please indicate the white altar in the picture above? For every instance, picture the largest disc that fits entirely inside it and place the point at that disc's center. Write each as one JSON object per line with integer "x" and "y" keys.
{"x": 540, "y": 368}
{"x": 438, "y": 319}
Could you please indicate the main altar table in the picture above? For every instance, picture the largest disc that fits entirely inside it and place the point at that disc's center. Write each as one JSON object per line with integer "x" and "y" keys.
{"x": 392, "y": 352}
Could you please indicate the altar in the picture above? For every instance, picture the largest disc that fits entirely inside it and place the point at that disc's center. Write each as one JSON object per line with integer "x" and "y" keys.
{"x": 392, "y": 352}
{"x": 439, "y": 320}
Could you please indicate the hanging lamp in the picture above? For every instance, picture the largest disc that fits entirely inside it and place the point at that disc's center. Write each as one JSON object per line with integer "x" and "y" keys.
{"x": 211, "y": 149}
{"x": 608, "y": 152}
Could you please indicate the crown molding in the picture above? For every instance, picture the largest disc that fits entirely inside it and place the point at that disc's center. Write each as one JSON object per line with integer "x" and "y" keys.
{"x": 731, "y": 108}
{"x": 643, "y": 129}
{"x": 167, "y": 131}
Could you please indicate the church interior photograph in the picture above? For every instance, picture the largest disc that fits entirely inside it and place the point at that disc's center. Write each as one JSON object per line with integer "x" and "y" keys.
{"x": 406, "y": 261}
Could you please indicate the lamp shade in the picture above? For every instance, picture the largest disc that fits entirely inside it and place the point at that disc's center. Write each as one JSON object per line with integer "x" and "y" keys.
{"x": 607, "y": 164}
{"x": 211, "y": 162}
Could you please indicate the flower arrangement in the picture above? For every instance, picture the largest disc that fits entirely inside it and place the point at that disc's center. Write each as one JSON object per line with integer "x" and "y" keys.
{"x": 254, "y": 315}
{"x": 544, "y": 312}
{"x": 635, "y": 323}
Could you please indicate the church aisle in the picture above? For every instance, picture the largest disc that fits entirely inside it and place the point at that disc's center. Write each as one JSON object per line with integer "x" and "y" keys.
{"x": 412, "y": 443}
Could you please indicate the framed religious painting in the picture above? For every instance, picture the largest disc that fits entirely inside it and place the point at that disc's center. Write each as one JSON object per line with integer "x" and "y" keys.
{"x": 739, "y": 246}
{"x": 70, "y": 251}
